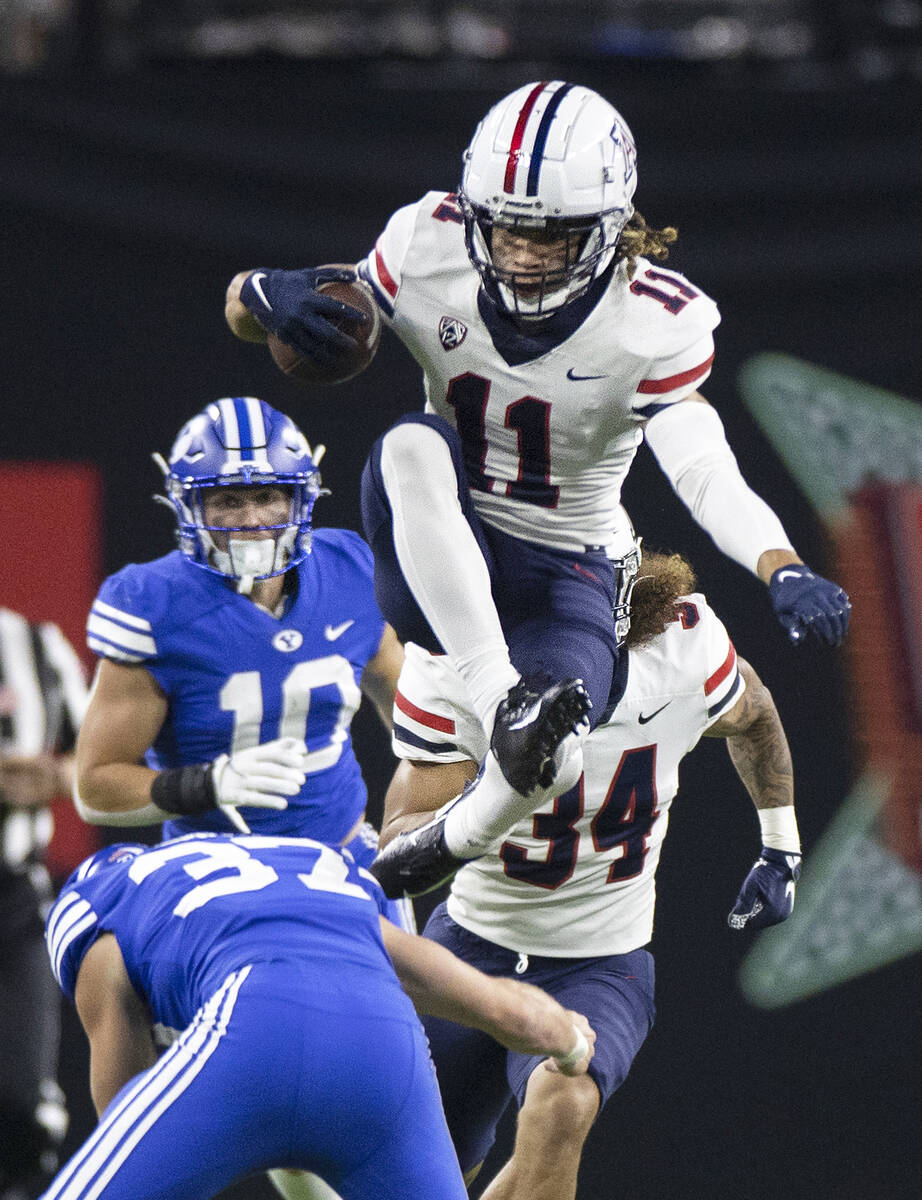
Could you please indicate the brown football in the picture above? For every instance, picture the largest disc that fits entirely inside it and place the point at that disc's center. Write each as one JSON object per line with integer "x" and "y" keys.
{"x": 299, "y": 367}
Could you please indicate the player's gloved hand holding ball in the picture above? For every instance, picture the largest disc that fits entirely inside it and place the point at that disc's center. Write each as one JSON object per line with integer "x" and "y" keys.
{"x": 806, "y": 603}
{"x": 767, "y": 895}
{"x": 288, "y": 304}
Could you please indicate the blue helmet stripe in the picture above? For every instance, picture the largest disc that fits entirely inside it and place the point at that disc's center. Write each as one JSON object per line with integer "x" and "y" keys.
{"x": 544, "y": 128}
{"x": 243, "y": 423}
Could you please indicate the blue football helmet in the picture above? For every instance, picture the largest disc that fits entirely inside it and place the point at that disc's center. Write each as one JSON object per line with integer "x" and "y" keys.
{"x": 234, "y": 442}
{"x": 108, "y": 856}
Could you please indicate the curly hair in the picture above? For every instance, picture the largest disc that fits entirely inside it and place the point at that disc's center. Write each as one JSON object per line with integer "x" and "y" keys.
{"x": 663, "y": 580}
{"x": 639, "y": 240}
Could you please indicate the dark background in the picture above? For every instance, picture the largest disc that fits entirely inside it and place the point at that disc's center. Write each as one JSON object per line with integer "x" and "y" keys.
{"x": 130, "y": 197}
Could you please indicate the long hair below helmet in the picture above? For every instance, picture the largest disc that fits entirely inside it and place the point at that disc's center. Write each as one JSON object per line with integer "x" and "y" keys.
{"x": 240, "y": 441}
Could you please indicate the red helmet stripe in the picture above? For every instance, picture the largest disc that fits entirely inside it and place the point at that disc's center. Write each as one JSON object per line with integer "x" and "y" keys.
{"x": 518, "y": 134}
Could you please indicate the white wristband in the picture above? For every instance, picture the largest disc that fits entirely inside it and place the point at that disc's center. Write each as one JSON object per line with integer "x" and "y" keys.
{"x": 579, "y": 1051}
{"x": 779, "y": 829}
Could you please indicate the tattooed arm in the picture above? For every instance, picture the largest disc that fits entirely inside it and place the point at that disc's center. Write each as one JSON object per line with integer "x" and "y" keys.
{"x": 760, "y": 754}
{"x": 757, "y": 744}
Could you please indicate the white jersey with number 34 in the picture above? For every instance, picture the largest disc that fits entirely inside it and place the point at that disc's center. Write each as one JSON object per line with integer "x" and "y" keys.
{"x": 577, "y": 878}
{"x": 547, "y": 441}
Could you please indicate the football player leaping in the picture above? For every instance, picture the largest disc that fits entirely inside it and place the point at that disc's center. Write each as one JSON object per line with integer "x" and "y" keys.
{"x": 566, "y": 899}
{"x": 552, "y": 342}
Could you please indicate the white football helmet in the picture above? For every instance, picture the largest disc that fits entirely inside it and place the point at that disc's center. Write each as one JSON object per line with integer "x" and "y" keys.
{"x": 553, "y": 159}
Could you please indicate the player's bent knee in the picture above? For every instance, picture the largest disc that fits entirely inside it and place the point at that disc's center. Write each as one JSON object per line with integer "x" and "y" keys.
{"x": 566, "y": 1106}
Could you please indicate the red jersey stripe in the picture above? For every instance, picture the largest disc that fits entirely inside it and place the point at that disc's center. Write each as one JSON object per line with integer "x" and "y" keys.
{"x": 658, "y": 386}
{"x": 722, "y": 671}
{"x": 442, "y": 724}
{"x": 518, "y": 133}
{"x": 387, "y": 280}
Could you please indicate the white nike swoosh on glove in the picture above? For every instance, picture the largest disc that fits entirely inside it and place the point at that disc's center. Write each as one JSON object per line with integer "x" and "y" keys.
{"x": 258, "y": 289}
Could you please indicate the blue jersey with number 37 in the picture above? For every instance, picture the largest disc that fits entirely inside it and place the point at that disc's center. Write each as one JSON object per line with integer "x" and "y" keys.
{"x": 188, "y": 912}
{"x": 235, "y": 676}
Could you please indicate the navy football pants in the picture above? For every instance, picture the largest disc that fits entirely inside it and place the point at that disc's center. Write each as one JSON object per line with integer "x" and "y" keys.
{"x": 555, "y": 606}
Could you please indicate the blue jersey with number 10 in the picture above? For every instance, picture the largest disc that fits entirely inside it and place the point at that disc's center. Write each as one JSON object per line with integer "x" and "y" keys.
{"x": 235, "y": 676}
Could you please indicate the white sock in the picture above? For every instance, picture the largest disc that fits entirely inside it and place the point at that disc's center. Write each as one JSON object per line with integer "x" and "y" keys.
{"x": 443, "y": 564}
{"x": 491, "y": 806}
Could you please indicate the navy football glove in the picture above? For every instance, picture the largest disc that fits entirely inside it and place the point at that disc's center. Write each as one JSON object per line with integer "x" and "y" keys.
{"x": 806, "y": 603}
{"x": 767, "y": 894}
{"x": 287, "y": 304}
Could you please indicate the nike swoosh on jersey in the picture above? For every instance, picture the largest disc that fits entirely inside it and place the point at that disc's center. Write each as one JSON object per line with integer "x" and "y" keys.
{"x": 643, "y": 719}
{"x": 332, "y": 632}
{"x": 258, "y": 288}
{"x": 571, "y": 374}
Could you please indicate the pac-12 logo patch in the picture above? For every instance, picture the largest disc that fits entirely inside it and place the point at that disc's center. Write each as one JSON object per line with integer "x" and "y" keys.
{"x": 287, "y": 640}
{"x": 452, "y": 332}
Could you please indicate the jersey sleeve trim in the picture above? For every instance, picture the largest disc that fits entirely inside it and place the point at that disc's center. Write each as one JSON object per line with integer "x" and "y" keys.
{"x": 72, "y": 917}
{"x": 671, "y": 383}
{"x": 420, "y": 720}
{"x": 716, "y": 679}
{"x": 658, "y": 386}
{"x": 421, "y": 716}
{"x": 723, "y": 685}
{"x": 375, "y": 273}
{"x": 120, "y": 635}
{"x": 407, "y": 738}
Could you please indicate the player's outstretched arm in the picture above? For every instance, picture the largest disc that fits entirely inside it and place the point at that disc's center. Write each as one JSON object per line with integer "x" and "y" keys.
{"x": 126, "y": 712}
{"x": 521, "y": 1017}
{"x": 759, "y": 751}
{"x": 689, "y": 443}
{"x": 116, "y": 1021}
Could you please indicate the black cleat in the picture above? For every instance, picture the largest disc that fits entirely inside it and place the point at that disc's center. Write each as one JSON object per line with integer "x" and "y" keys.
{"x": 530, "y": 724}
{"x": 416, "y": 862}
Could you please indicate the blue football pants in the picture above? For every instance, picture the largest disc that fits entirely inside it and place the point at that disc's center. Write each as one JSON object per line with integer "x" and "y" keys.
{"x": 273, "y": 1073}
